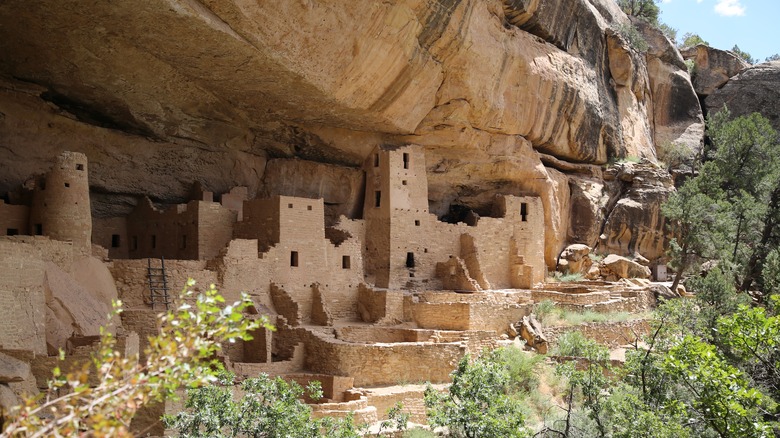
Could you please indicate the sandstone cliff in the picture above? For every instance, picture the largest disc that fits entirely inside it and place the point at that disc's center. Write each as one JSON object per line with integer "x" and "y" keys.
{"x": 289, "y": 97}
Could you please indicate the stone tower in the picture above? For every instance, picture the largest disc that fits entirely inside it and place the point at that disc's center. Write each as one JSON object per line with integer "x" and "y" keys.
{"x": 396, "y": 182}
{"x": 60, "y": 207}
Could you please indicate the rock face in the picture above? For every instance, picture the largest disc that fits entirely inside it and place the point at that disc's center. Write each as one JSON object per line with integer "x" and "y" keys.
{"x": 290, "y": 97}
{"x": 712, "y": 67}
{"x": 676, "y": 111}
{"x": 756, "y": 89}
{"x": 634, "y": 223}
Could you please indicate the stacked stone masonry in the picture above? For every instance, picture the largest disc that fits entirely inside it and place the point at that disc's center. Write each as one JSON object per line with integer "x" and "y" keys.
{"x": 393, "y": 296}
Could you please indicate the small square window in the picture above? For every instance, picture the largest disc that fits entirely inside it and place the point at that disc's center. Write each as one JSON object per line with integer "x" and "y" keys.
{"x": 308, "y": 207}
{"x": 417, "y": 223}
{"x": 67, "y": 184}
{"x": 79, "y": 167}
{"x": 289, "y": 205}
{"x": 403, "y": 182}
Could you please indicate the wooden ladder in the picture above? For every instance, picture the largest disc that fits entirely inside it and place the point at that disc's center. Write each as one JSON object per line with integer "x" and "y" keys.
{"x": 158, "y": 284}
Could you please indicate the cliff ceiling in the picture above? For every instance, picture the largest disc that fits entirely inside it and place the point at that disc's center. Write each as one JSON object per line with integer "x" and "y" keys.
{"x": 289, "y": 97}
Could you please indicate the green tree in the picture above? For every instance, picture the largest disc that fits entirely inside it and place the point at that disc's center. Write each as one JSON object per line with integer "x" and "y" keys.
{"x": 698, "y": 222}
{"x": 744, "y": 55}
{"x": 268, "y": 408}
{"x": 668, "y": 32}
{"x": 775, "y": 57}
{"x": 730, "y": 211}
{"x": 478, "y": 403}
{"x": 691, "y": 39}
{"x": 181, "y": 355}
{"x": 723, "y": 397}
{"x": 647, "y": 10}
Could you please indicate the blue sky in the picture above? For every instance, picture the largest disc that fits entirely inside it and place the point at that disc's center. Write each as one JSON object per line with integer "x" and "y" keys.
{"x": 751, "y": 24}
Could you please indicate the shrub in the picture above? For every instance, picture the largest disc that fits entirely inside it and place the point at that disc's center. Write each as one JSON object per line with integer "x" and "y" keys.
{"x": 544, "y": 310}
{"x": 635, "y": 39}
{"x": 573, "y": 344}
{"x": 179, "y": 356}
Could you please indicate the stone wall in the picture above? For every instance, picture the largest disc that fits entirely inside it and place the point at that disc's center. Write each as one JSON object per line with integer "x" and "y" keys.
{"x": 612, "y": 334}
{"x": 22, "y": 301}
{"x": 14, "y": 219}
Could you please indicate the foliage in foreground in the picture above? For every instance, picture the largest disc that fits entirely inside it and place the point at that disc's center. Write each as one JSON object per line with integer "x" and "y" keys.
{"x": 729, "y": 212}
{"x": 269, "y": 408}
{"x": 478, "y": 403}
{"x": 179, "y": 356}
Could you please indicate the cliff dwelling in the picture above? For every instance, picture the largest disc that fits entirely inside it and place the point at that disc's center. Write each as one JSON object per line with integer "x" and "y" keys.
{"x": 394, "y": 184}
{"x": 394, "y": 294}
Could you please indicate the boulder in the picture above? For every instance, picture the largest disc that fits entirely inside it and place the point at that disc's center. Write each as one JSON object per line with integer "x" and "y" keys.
{"x": 71, "y": 309}
{"x": 531, "y": 330}
{"x": 756, "y": 89}
{"x": 575, "y": 259}
{"x": 712, "y": 67}
{"x": 625, "y": 268}
{"x": 12, "y": 369}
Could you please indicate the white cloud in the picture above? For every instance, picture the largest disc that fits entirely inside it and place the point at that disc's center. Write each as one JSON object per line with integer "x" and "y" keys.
{"x": 729, "y": 8}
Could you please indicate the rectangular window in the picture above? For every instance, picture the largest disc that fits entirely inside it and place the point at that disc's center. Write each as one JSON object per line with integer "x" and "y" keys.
{"x": 39, "y": 229}
{"x": 79, "y": 167}
{"x": 417, "y": 223}
{"x": 115, "y": 241}
{"x": 403, "y": 182}
{"x": 524, "y": 212}
{"x": 378, "y": 198}
{"x": 154, "y": 241}
{"x": 294, "y": 258}
{"x": 346, "y": 263}
{"x": 11, "y": 232}
{"x": 308, "y": 207}
{"x": 376, "y": 160}
{"x": 289, "y": 205}
{"x": 67, "y": 184}
{"x": 406, "y": 160}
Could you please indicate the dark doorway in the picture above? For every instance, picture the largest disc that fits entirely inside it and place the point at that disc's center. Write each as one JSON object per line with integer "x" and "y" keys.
{"x": 294, "y": 258}
{"x": 524, "y": 212}
{"x": 11, "y": 232}
{"x": 115, "y": 241}
{"x": 410, "y": 260}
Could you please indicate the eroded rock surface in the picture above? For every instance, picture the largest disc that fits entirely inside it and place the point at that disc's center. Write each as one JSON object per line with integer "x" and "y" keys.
{"x": 713, "y": 67}
{"x": 756, "y": 89}
{"x": 290, "y": 97}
